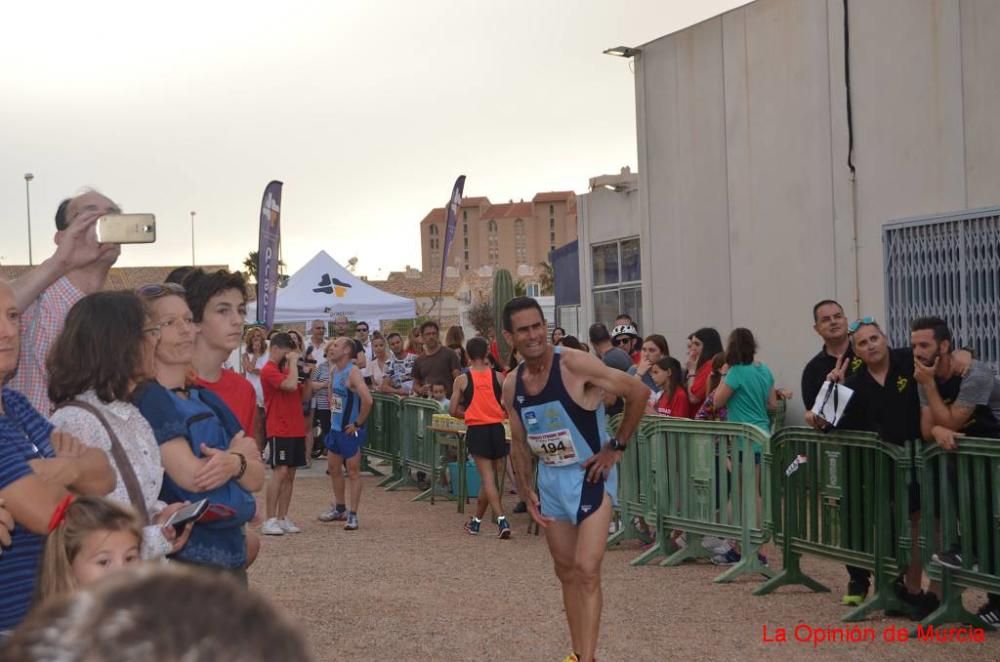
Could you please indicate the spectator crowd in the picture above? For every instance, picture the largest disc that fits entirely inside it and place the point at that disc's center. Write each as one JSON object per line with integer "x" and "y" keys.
{"x": 129, "y": 437}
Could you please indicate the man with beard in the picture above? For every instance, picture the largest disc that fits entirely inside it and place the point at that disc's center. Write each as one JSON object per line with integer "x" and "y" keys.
{"x": 555, "y": 400}
{"x": 953, "y": 405}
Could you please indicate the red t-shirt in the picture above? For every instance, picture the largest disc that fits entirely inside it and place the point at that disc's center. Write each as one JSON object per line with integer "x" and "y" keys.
{"x": 238, "y": 394}
{"x": 699, "y": 385}
{"x": 677, "y": 406}
{"x": 283, "y": 408}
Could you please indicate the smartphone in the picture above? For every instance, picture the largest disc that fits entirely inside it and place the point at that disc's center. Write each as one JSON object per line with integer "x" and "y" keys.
{"x": 126, "y": 229}
{"x": 187, "y": 514}
{"x": 218, "y": 511}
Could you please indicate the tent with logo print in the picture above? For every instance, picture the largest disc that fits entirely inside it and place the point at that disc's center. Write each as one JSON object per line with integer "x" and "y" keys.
{"x": 323, "y": 289}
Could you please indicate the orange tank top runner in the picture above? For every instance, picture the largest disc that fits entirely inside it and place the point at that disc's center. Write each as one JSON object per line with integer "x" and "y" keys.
{"x": 485, "y": 408}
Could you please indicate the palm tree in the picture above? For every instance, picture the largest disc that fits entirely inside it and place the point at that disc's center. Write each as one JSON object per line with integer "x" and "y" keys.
{"x": 546, "y": 278}
{"x": 250, "y": 263}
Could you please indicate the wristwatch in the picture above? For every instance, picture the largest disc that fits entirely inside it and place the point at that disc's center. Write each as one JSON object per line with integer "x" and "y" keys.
{"x": 616, "y": 445}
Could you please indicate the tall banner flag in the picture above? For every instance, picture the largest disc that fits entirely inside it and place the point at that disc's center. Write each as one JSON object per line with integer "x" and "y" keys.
{"x": 267, "y": 254}
{"x": 449, "y": 232}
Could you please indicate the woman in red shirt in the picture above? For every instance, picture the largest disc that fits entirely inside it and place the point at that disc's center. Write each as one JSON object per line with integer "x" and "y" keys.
{"x": 703, "y": 344}
{"x": 671, "y": 399}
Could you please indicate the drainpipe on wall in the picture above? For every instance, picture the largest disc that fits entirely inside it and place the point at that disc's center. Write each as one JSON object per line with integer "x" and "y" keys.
{"x": 850, "y": 164}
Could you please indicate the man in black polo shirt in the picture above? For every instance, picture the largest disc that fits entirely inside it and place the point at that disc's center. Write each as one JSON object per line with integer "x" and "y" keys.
{"x": 831, "y": 325}
{"x": 885, "y": 401}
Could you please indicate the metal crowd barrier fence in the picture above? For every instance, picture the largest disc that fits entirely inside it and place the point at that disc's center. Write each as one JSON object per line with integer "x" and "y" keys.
{"x": 635, "y": 490}
{"x": 848, "y": 502}
{"x": 384, "y": 434}
{"x": 960, "y": 496}
{"x": 706, "y": 484}
{"x": 416, "y": 450}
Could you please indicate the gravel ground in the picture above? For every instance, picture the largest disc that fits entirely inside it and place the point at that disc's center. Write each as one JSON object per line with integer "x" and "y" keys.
{"x": 410, "y": 584}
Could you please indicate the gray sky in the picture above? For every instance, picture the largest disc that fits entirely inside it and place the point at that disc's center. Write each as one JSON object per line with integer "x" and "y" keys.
{"x": 367, "y": 110}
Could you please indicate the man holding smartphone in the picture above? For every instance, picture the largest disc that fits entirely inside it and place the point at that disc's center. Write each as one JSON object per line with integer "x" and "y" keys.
{"x": 285, "y": 430}
{"x": 45, "y": 294}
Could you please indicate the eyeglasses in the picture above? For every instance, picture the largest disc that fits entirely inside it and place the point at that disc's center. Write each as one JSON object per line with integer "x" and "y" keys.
{"x": 154, "y": 290}
{"x": 856, "y": 324}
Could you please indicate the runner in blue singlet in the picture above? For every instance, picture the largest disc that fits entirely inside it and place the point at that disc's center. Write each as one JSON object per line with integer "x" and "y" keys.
{"x": 555, "y": 402}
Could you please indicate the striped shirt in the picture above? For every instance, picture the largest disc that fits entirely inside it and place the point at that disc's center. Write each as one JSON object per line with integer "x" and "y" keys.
{"x": 41, "y": 323}
{"x": 24, "y": 436}
{"x": 322, "y": 374}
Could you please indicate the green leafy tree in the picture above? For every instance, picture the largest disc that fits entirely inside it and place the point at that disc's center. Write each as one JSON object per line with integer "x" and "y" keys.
{"x": 546, "y": 278}
{"x": 250, "y": 269}
{"x": 481, "y": 317}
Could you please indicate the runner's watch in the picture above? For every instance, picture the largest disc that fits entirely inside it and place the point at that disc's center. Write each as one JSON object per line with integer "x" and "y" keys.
{"x": 616, "y": 445}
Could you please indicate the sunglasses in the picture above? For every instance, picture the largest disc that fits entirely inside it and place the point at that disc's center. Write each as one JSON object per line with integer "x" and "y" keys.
{"x": 622, "y": 341}
{"x": 154, "y": 290}
{"x": 363, "y": 329}
{"x": 856, "y": 324}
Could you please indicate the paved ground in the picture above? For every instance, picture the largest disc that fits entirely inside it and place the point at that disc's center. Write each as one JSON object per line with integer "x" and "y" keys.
{"x": 410, "y": 584}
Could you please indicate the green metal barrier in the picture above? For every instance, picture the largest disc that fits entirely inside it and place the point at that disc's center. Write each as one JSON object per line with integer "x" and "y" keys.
{"x": 848, "y": 503}
{"x": 384, "y": 434}
{"x": 777, "y": 417}
{"x": 705, "y": 484}
{"x": 635, "y": 489}
{"x": 416, "y": 451}
{"x": 962, "y": 487}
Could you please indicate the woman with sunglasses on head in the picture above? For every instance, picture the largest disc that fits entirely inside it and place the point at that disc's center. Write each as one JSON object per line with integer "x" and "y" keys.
{"x": 92, "y": 393}
{"x": 205, "y": 453}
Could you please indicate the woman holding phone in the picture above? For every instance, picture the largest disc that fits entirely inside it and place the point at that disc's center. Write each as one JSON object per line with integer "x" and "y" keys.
{"x": 205, "y": 452}
{"x": 92, "y": 391}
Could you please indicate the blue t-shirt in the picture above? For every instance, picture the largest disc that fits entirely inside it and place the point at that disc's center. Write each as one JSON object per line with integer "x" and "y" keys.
{"x": 202, "y": 418}
{"x": 751, "y": 384}
{"x": 24, "y": 436}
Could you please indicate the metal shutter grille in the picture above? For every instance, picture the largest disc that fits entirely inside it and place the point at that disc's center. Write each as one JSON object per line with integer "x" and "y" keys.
{"x": 947, "y": 266}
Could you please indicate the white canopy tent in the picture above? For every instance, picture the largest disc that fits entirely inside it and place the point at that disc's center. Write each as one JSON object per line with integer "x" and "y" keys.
{"x": 323, "y": 289}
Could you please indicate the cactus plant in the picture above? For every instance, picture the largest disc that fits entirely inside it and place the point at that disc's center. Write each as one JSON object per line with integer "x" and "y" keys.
{"x": 503, "y": 291}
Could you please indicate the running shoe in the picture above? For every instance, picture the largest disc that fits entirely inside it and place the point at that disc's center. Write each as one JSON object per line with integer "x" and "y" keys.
{"x": 272, "y": 528}
{"x": 352, "y": 523}
{"x": 288, "y": 526}
{"x": 990, "y": 614}
{"x": 503, "y": 528}
{"x": 715, "y": 544}
{"x": 856, "y": 593}
{"x": 731, "y": 557}
{"x": 951, "y": 558}
{"x": 571, "y": 658}
{"x": 333, "y": 515}
{"x": 472, "y": 526}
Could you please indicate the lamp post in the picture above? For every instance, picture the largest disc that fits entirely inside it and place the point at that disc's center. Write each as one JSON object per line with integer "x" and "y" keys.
{"x": 192, "y": 239}
{"x": 27, "y": 197}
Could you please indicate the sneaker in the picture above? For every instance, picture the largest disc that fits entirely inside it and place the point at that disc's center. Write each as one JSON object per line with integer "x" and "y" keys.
{"x": 333, "y": 515}
{"x": 731, "y": 557}
{"x": 352, "y": 522}
{"x": 951, "y": 558}
{"x": 715, "y": 545}
{"x": 288, "y": 526}
{"x": 472, "y": 526}
{"x": 762, "y": 559}
{"x": 571, "y": 658}
{"x": 856, "y": 593}
{"x": 521, "y": 507}
{"x": 272, "y": 528}
{"x": 503, "y": 528}
{"x": 990, "y": 614}
{"x": 614, "y": 526}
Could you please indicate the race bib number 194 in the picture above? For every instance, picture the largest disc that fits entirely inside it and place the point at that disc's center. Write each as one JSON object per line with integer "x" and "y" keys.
{"x": 554, "y": 449}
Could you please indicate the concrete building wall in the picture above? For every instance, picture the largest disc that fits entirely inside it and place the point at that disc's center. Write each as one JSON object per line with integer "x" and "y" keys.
{"x": 749, "y": 212}
{"x": 605, "y": 215}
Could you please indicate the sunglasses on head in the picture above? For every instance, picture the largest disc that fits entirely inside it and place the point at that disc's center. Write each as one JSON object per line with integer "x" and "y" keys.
{"x": 154, "y": 290}
{"x": 856, "y": 324}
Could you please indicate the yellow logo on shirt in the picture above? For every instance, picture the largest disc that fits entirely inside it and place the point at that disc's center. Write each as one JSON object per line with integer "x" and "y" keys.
{"x": 901, "y": 383}
{"x": 855, "y": 364}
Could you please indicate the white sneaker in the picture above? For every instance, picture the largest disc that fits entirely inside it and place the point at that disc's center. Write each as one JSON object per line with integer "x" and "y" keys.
{"x": 272, "y": 528}
{"x": 715, "y": 545}
{"x": 288, "y": 526}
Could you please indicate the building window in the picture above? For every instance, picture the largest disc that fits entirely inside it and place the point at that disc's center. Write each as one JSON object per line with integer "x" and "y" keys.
{"x": 493, "y": 242}
{"x": 532, "y": 290}
{"x": 520, "y": 243}
{"x": 492, "y": 227}
{"x": 466, "y": 241}
{"x": 552, "y": 225}
{"x": 433, "y": 231}
{"x": 465, "y": 229}
{"x": 465, "y": 215}
{"x": 552, "y": 209}
{"x": 617, "y": 280}
{"x": 552, "y": 237}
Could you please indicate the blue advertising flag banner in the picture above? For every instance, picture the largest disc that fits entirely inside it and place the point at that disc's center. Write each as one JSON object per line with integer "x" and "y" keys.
{"x": 267, "y": 254}
{"x": 449, "y": 232}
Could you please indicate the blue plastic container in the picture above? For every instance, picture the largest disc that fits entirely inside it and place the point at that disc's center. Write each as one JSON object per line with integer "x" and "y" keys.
{"x": 471, "y": 478}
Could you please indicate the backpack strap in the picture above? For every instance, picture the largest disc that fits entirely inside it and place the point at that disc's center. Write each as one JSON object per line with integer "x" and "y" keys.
{"x": 122, "y": 462}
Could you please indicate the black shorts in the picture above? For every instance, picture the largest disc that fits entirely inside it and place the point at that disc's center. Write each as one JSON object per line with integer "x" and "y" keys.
{"x": 487, "y": 441}
{"x": 287, "y": 451}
